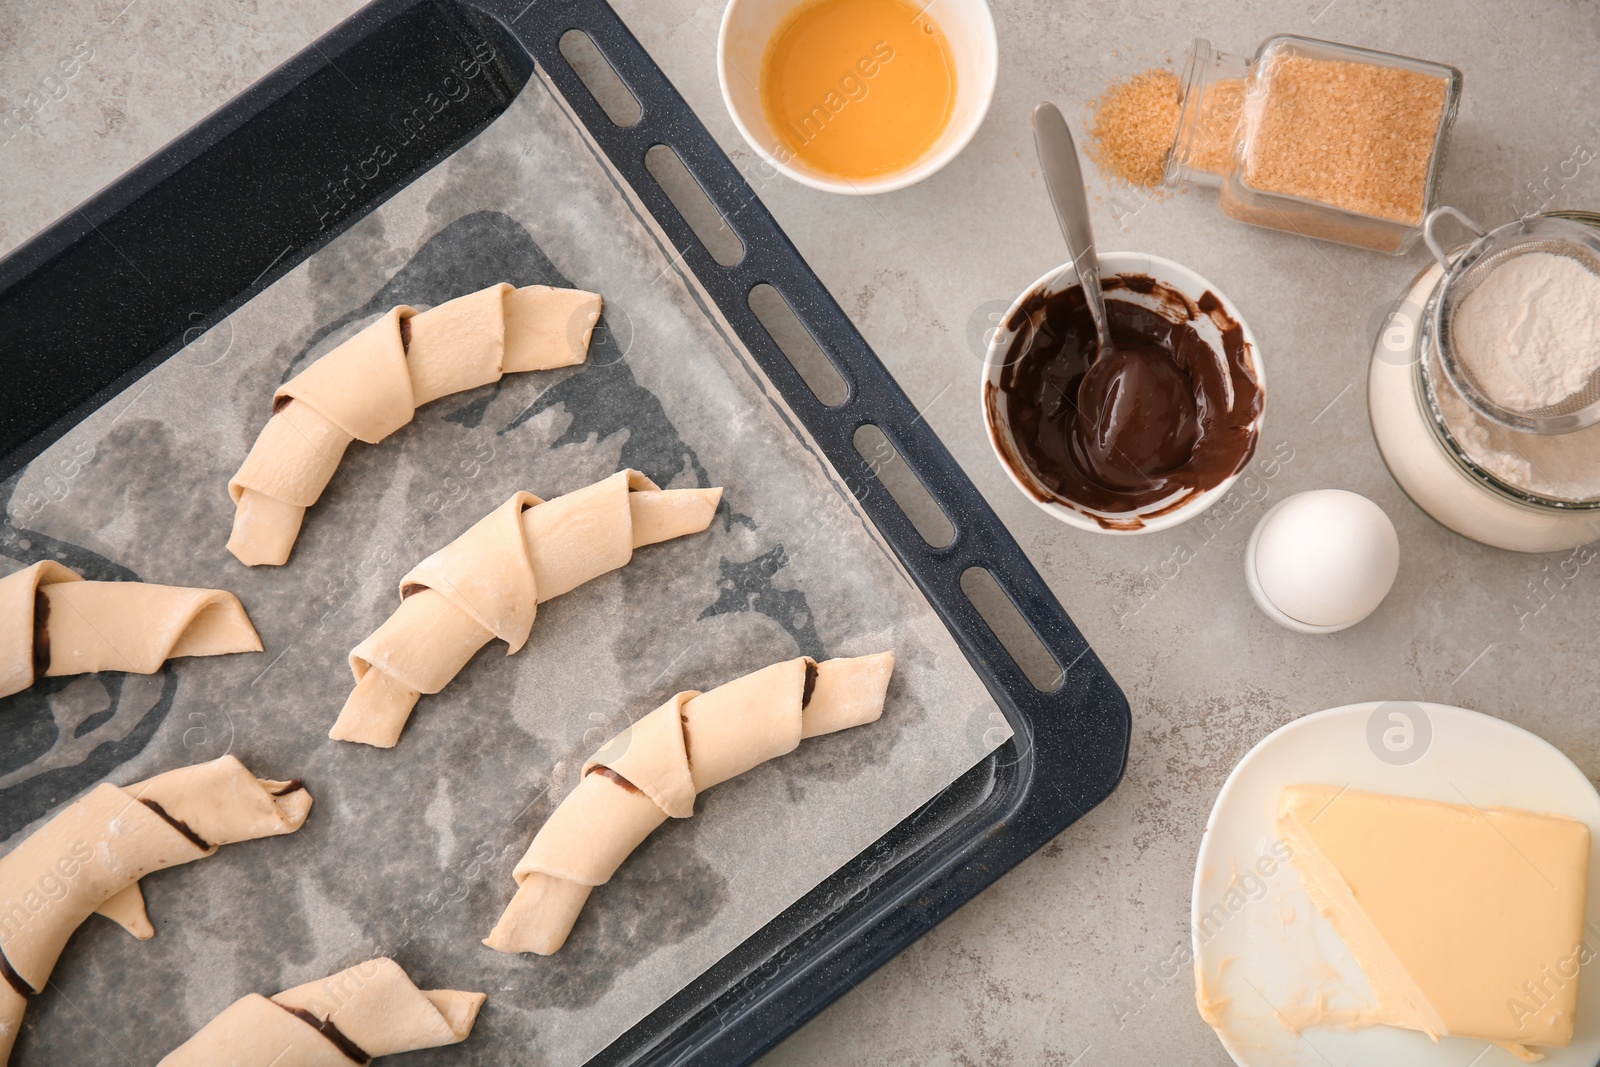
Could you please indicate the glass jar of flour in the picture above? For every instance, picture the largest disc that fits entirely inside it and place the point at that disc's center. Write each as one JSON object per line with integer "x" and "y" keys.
{"x": 1506, "y": 487}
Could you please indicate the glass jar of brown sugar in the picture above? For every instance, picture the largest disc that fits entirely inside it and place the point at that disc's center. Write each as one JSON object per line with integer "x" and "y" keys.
{"x": 1321, "y": 139}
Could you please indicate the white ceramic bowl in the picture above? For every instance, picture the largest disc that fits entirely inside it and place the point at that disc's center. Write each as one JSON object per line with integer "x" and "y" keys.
{"x": 747, "y": 28}
{"x": 1152, "y": 517}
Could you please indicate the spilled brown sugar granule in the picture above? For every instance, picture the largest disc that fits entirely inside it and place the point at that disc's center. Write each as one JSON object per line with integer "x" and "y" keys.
{"x": 1132, "y": 127}
{"x": 1354, "y": 135}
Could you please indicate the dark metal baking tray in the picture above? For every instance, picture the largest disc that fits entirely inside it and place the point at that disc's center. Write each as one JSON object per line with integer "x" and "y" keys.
{"x": 230, "y": 206}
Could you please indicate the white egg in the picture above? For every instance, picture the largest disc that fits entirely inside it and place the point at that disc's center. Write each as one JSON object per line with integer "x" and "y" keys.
{"x": 1322, "y": 560}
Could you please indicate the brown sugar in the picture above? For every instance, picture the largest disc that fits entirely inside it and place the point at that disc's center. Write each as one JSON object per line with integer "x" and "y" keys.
{"x": 1217, "y": 130}
{"x": 1133, "y": 126}
{"x": 1352, "y": 135}
{"x": 1336, "y": 148}
{"x": 1309, "y": 220}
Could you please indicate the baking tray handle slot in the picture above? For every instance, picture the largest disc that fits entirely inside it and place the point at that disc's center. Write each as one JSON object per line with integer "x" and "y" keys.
{"x": 1009, "y": 627}
{"x": 904, "y": 486}
{"x": 598, "y": 76}
{"x": 693, "y": 205}
{"x": 809, "y": 359}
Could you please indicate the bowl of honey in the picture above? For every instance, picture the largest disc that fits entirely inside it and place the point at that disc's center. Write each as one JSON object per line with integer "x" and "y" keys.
{"x": 857, "y": 96}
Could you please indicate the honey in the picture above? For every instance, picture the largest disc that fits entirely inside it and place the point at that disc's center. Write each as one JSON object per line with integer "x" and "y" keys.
{"x": 858, "y": 88}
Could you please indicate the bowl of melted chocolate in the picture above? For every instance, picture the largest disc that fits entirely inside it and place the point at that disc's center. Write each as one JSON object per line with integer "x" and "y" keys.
{"x": 1158, "y": 431}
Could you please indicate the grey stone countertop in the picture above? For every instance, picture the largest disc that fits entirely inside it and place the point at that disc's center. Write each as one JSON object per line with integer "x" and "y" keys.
{"x": 1069, "y": 958}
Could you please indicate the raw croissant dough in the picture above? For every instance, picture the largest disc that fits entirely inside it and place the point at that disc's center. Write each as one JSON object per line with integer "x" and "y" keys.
{"x": 371, "y": 385}
{"x": 490, "y": 581}
{"x": 53, "y": 623}
{"x": 91, "y": 856}
{"x": 372, "y": 1009}
{"x": 655, "y": 768}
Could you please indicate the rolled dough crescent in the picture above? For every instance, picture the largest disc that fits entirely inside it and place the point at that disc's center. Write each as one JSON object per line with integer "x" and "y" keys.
{"x": 372, "y": 384}
{"x": 53, "y": 623}
{"x": 372, "y": 1009}
{"x": 489, "y": 583}
{"x": 655, "y": 768}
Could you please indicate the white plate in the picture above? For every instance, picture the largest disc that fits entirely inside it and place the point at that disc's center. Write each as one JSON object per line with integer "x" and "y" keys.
{"x": 1267, "y": 940}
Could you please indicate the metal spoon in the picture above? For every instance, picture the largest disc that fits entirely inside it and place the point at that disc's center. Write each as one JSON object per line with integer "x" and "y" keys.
{"x": 1058, "y": 158}
{"x": 1136, "y": 413}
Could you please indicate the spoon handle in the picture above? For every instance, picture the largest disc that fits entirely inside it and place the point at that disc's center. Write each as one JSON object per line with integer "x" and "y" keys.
{"x": 1063, "y": 179}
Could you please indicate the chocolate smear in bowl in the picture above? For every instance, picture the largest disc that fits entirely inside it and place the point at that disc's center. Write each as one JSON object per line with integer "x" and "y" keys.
{"x": 1138, "y": 452}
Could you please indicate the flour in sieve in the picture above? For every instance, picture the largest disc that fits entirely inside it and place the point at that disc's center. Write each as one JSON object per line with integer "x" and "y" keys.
{"x": 1562, "y": 466}
{"x": 1530, "y": 332}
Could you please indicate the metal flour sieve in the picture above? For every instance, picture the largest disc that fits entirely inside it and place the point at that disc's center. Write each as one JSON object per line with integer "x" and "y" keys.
{"x": 1492, "y": 250}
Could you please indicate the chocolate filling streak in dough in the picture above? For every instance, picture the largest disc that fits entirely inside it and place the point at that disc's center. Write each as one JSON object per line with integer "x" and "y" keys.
{"x": 179, "y": 825}
{"x": 53, "y": 623}
{"x": 327, "y": 1029}
{"x": 13, "y": 979}
{"x": 645, "y": 774}
{"x": 372, "y": 1009}
{"x": 490, "y": 581}
{"x": 90, "y": 857}
{"x": 372, "y": 384}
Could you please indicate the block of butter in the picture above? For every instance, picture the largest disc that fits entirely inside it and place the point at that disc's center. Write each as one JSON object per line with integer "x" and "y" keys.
{"x": 1467, "y": 921}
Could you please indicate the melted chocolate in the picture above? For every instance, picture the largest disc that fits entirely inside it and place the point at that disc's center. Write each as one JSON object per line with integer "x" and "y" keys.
{"x": 615, "y": 777}
{"x": 15, "y": 980}
{"x": 179, "y": 825}
{"x": 281, "y": 402}
{"x": 327, "y": 1029}
{"x": 1136, "y": 419}
{"x": 811, "y": 683}
{"x": 411, "y": 589}
{"x": 293, "y": 785}
{"x": 1135, "y": 455}
{"x": 41, "y": 635}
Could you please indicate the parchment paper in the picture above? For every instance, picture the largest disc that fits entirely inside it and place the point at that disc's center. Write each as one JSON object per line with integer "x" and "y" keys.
{"x": 409, "y": 852}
